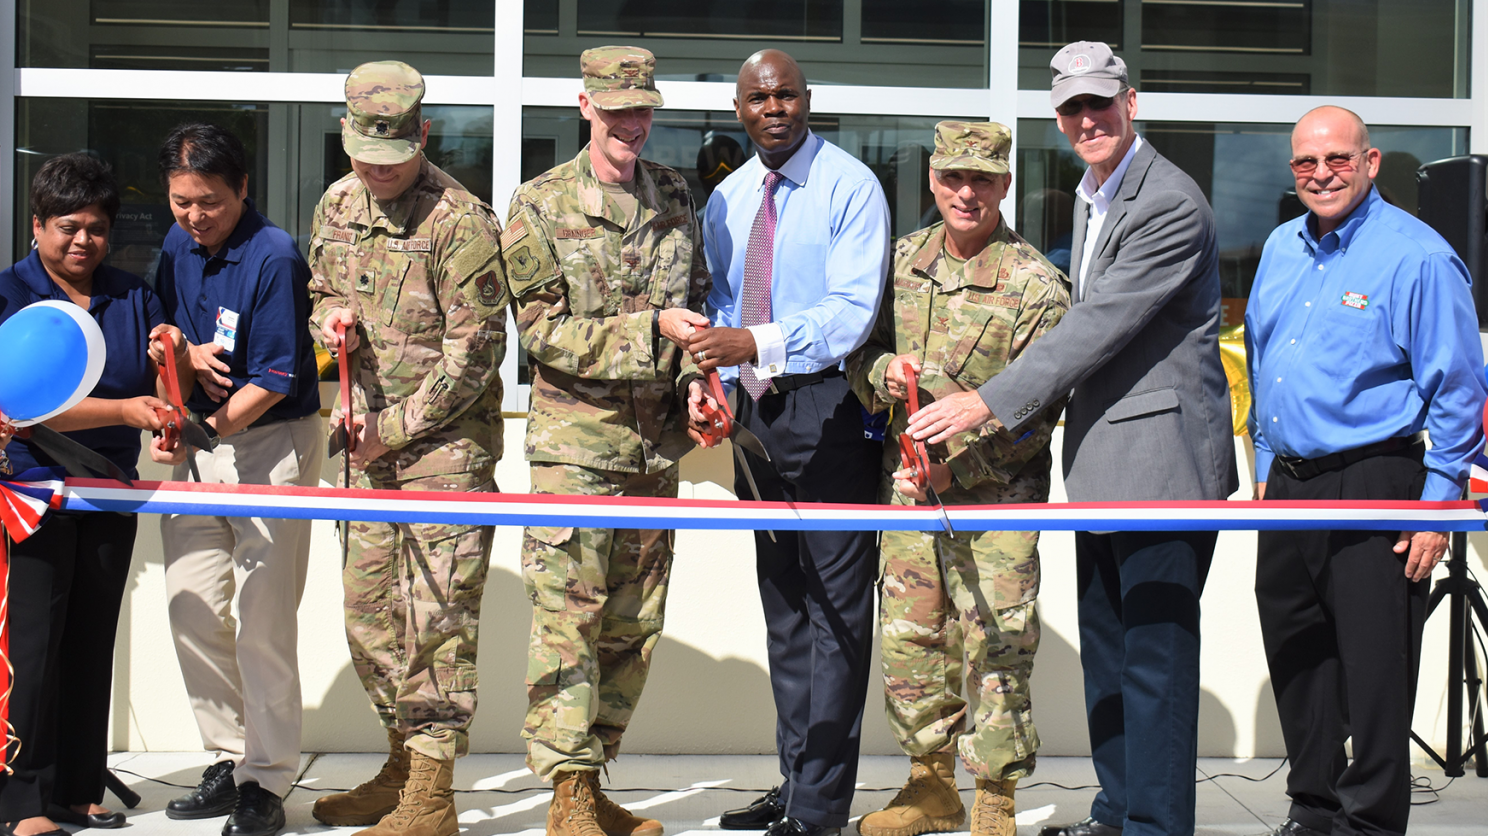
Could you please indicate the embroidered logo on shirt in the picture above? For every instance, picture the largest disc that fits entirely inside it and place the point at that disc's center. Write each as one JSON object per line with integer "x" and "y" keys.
{"x": 409, "y": 245}
{"x": 1355, "y": 300}
{"x": 663, "y": 224}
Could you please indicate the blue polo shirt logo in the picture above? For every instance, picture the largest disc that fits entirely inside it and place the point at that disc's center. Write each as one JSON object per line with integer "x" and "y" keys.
{"x": 1358, "y": 301}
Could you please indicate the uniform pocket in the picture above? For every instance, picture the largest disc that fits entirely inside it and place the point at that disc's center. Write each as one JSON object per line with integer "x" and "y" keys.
{"x": 1142, "y": 404}
{"x": 545, "y": 565}
{"x": 412, "y": 306}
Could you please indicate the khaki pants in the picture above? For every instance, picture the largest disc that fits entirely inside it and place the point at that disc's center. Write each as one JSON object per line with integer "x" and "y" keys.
{"x": 244, "y": 679}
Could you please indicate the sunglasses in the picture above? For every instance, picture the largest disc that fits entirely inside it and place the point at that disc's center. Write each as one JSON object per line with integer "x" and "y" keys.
{"x": 1073, "y": 107}
{"x": 1305, "y": 166}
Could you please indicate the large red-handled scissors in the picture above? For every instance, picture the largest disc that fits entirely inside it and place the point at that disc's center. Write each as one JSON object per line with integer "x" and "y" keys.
{"x": 177, "y": 424}
{"x": 343, "y": 438}
{"x": 719, "y": 424}
{"x": 912, "y": 454}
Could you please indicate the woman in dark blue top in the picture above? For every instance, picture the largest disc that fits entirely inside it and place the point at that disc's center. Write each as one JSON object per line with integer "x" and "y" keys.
{"x": 67, "y": 579}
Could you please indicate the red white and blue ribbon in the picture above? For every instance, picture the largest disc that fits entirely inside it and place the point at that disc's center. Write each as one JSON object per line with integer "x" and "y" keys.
{"x": 458, "y": 508}
{"x": 25, "y": 499}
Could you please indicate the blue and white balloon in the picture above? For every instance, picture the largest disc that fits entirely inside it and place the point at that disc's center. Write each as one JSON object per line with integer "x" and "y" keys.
{"x": 51, "y": 357}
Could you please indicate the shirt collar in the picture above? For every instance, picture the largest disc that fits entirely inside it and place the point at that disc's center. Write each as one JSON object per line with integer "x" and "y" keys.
{"x": 232, "y": 248}
{"x": 33, "y": 274}
{"x": 1107, "y": 191}
{"x": 1345, "y": 231}
{"x": 798, "y": 167}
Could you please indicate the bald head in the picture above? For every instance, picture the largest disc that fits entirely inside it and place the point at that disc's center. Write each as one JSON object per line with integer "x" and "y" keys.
{"x": 772, "y": 64}
{"x": 773, "y": 105}
{"x": 1333, "y": 164}
{"x": 1340, "y": 123}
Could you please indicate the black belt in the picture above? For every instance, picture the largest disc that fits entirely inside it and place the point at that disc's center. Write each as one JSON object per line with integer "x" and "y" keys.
{"x": 263, "y": 420}
{"x": 790, "y": 382}
{"x": 1308, "y": 468}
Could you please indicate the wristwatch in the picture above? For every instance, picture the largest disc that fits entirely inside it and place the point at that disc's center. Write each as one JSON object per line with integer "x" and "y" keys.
{"x": 211, "y": 433}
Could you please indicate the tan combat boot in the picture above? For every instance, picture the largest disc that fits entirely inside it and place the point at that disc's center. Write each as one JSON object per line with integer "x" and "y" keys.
{"x": 928, "y": 803}
{"x": 992, "y": 814}
{"x": 427, "y": 805}
{"x": 615, "y": 820}
{"x": 368, "y": 803}
{"x": 572, "y": 811}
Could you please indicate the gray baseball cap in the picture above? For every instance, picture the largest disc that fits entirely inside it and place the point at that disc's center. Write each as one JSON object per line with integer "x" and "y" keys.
{"x": 1085, "y": 68}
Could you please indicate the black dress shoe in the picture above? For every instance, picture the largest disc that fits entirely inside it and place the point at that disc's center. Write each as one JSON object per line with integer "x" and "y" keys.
{"x": 1086, "y": 827}
{"x": 795, "y": 827}
{"x": 67, "y": 815}
{"x": 214, "y": 796}
{"x": 765, "y": 811}
{"x": 259, "y": 812}
{"x": 1292, "y": 827}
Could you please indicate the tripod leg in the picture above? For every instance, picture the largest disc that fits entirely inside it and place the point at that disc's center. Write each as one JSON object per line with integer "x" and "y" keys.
{"x": 120, "y": 789}
{"x": 1478, "y": 742}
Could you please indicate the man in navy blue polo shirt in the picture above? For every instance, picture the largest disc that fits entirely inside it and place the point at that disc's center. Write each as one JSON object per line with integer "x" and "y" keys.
{"x": 236, "y": 285}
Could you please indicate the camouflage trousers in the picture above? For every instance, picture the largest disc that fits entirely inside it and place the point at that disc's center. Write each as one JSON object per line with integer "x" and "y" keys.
{"x": 943, "y": 600}
{"x": 598, "y": 602}
{"x": 413, "y": 596}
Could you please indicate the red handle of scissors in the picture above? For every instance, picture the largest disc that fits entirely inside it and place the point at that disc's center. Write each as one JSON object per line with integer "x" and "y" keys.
{"x": 171, "y": 429}
{"x": 912, "y": 454}
{"x": 343, "y": 368}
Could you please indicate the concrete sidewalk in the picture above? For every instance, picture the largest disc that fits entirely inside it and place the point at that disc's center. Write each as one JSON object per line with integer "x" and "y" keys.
{"x": 497, "y": 795}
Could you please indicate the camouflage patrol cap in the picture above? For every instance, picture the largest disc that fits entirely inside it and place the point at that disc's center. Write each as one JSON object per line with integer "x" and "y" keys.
{"x": 978, "y": 146}
{"x": 384, "y": 122}
{"x": 620, "y": 77}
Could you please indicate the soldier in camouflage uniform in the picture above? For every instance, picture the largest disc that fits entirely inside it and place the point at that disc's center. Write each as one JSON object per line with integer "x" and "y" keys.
{"x": 968, "y": 295}
{"x": 605, "y": 269}
{"x": 409, "y": 262}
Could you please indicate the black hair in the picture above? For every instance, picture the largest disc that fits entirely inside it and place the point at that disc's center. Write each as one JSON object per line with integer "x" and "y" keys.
{"x": 67, "y": 183}
{"x": 204, "y": 149}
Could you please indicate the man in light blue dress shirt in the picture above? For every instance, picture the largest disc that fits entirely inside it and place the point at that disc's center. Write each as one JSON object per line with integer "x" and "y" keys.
{"x": 789, "y": 308}
{"x": 1360, "y": 334}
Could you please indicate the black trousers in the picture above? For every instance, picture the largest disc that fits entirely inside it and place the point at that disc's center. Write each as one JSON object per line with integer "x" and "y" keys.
{"x": 817, "y": 590}
{"x": 1139, "y": 649}
{"x": 1342, "y": 629}
{"x": 66, "y": 583}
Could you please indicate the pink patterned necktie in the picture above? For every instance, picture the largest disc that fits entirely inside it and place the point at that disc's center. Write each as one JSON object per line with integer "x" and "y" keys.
{"x": 759, "y": 263}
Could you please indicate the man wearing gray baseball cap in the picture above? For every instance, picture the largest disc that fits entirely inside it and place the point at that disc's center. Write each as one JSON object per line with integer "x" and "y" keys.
{"x": 1149, "y": 418}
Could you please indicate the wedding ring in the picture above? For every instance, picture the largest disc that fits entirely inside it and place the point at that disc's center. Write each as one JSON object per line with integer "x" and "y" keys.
{"x": 702, "y": 355}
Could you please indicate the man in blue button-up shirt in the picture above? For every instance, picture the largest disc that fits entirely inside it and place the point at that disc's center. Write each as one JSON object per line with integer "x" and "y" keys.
{"x": 1360, "y": 333}
{"x": 821, "y": 258}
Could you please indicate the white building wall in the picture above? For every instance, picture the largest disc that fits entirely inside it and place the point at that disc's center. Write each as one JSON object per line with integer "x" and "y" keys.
{"x": 709, "y": 688}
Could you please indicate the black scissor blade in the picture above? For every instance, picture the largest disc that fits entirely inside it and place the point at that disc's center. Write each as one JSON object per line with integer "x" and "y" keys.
{"x": 749, "y": 441}
{"x": 77, "y": 459}
{"x": 337, "y": 442}
{"x": 749, "y": 477}
{"x": 945, "y": 519}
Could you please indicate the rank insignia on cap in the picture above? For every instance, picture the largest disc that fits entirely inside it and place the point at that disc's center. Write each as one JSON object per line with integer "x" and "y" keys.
{"x": 1359, "y": 301}
{"x": 382, "y": 128}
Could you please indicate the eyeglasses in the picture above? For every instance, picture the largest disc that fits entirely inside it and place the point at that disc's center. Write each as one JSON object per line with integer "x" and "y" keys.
{"x": 1305, "y": 166}
{"x": 1073, "y": 107}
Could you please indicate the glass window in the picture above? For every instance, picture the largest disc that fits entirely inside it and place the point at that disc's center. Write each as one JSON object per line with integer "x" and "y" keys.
{"x": 126, "y": 134}
{"x": 879, "y": 42}
{"x": 1242, "y": 169}
{"x": 285, "y": 180}
{"x": 448, "y": 37}
{"x": 705, "y": 146}
{"x": 1301, "y": 47}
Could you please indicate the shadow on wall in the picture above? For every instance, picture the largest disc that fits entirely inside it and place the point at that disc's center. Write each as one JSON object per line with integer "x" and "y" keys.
{"x": 687, "y": 695}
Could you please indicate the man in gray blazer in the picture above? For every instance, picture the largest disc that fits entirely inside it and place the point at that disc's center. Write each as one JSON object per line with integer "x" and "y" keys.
{"x": 1149, "y": 419}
